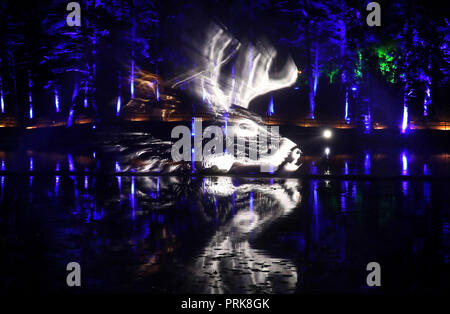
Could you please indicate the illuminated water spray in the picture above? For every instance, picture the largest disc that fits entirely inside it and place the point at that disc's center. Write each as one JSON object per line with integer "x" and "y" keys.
{"x": 249, "y": 77}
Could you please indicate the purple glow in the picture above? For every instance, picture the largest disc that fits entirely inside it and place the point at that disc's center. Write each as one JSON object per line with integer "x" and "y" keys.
{"x": 251, "y": 202}
{"x": 132, "y": 79}
{"x": 57, "y": 179}
{"x": 86, "y": 182}
{"x": 427, "y": 191}
{"x": 3, "y": 165}
{"x": 425, "y": 170}
{"x": 70, "y": 120}
{"x": 118, "y": 106}
{"x": 405, "y": 187}
{"x": 85, "y": 102}
{"x": 70, "y": 160}
{"x": 157, "y": 91}
{"x": 31, "y": 163}
{"x": 404, "y": 160}
{"x": 30, "y": 98}
{"x": 132, "y": 198}
{"x": 313, "y": 168}
{"x": 344, "y": 187}
{"x": 346, "y": 168}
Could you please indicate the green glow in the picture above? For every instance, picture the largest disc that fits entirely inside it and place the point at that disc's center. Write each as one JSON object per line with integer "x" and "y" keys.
{"x": 332, "y": 74}
{"x": 358, "y": 72}
{"x": 386, "y": 62}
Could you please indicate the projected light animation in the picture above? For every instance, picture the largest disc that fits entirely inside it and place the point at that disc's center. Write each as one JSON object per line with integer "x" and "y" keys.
{"x": 214, "y": 155}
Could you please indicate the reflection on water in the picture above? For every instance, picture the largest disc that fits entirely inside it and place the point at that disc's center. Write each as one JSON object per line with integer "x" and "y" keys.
{"x": 221, "y": 234}
{"x": 124, "y": 157}
{"x": 228, "y": 262}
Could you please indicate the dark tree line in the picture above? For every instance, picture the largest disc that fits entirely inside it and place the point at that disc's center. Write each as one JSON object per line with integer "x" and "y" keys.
{"x": 349, "y": 70}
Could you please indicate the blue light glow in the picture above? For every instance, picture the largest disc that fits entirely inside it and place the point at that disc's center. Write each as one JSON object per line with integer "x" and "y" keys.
{"x": 405, "y": 119}
{"x": 367, "y": 163}
{"x": 270, "y": 110}
{"x": 118, "y": 106}
{"x": 70, "y": 161}
{"x": 56, "y": 100}
{"x": 404, "y": 160}
{"x": 132, "y": 79}
{"x": 367, "y": 123}
{"x": 425, "y": 170}
{"x": 157, "y": 91}
{"x": 2, "y": 101}
{"x": 30, "y": 98}
{"x": 315, "y": 213}
{"x": 70, "y": 119}
{"x": 347, "y": 120}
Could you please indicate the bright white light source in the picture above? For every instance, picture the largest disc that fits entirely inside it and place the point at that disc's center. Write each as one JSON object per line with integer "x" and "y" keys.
{"x": 327, "y": 133}
{"x": 327, "y": 151}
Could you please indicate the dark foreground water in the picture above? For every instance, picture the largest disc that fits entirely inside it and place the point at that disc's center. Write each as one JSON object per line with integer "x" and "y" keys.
{"x": 224, "y": 234}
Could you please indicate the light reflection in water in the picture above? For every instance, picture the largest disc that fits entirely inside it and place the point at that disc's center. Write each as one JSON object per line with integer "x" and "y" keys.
{"x": 367, "y": 163}
{"x": 254, "y": 206}
{"x": 404, "y": 161}
{"x": 313, "y": 169}
{"x": 425, "y": 170}
{"x": 315, "y": 210}
{"x": 119, "y": 179}
{"x": 57, "y": 179}
{"x": 132, "y": 198}
{"x": 70, "y": 161}
{"x": 31, "y": 169}
{"x": 237, "y": 211}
